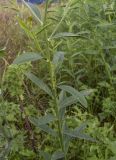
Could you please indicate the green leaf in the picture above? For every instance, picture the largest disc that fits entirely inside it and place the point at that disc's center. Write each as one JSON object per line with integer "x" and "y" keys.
{"x": 66, "y": 138}
{"x": 27, "y": 153}
{"x": 34, "y": 10}
{"x": 62, "y": 110}
{"x": 47, "y": 129}
{"x": 113, "y": 158}
{"x": 113, "y": 147}
{"x": 87, "y": 92}
{"x": 106, "y": 24}
{"x": 27, "y": 57}
{"x": 2, "y": 52}
{"x": 90, "y": 52}
{"x": 75, "y": 93}
{"x": 93, "y": 158}
{"x": 6, "y": 151}
{"x": 109, "y": 47}
{"x": 42, "y": 123}
{"x": 25, "y": 28}
{"x": 45, "y": 155}
{"x": 78, "y": 133}
{"x": 39, "y": 83}
{"x": 45, "y": 27}
{"x": 57, "y": 155}
{"x": 67, "y": 101}
{"x": 58, "y": 58}
{"x": 68, "y": 34}
{"x": 42, "y": 120}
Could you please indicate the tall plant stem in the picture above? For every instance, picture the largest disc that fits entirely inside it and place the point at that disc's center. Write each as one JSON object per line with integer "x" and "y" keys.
{"x": 54, "y": 90}
{"x": 2, "y": 78}
{"x": 53, "y": 84}
{"x": 45, "y": 14}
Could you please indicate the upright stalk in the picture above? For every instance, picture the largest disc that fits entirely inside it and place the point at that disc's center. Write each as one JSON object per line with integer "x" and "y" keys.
{"x": 45, "y": 14}
{"x": 2, "y": 79}
{"x": 53, "y": 84}
{"x": 54, "y": 91}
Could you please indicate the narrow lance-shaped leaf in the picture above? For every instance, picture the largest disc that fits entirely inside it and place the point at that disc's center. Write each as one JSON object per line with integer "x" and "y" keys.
{"x": 45, "y": 27}
{"x": 75, "y": 93}
{"x": 67, "y": 101}
{"x": 66, "y": 138}
{"x": 113, "y": 158}
{"x": 6, "y": 151}
{"x": 58, "y": 58}
{"x": 27, "y": 57}
{"x": 109, "y": 47}
{"x": 106, "y": 25}
{"x": 62, "y": 110}
{"x": 39, "y": 83}
{"x": 78, "y": 133}
{"x": 45, "y": 155}
{"x": 113, "y": 147}
{"x": 57, "y": 155}
{"x": 87, "y": 92}
{"x": 34, "y": 10}
{"x": 25, "y": 28}
{"x": 48, "y": 130}
{"x": 42, "y": 120}
{"x": 68, "y": 34}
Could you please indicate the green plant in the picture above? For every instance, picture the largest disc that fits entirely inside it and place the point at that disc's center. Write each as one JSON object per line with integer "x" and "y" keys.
{"x": 12, "y": 140}
{"x": 75, "y": 46}
{"x": 14, "y": 79}
{"x": 85, "y": 150}
{"x": 53, "y": 59}
{"x": 112, "y": 148}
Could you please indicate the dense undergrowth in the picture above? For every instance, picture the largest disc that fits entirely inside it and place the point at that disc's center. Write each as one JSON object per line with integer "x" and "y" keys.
{"x": 58, "y": 96}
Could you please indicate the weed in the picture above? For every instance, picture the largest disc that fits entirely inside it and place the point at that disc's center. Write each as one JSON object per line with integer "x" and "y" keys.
{"x": 72, "y": 87}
